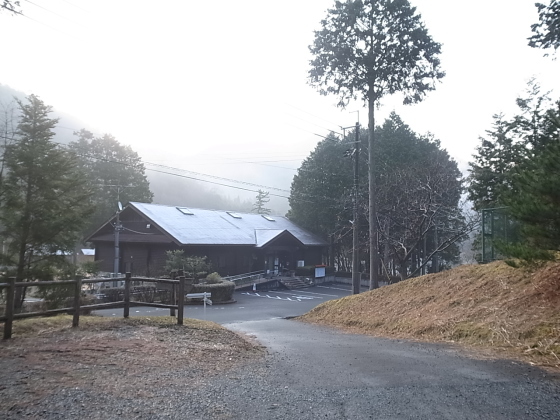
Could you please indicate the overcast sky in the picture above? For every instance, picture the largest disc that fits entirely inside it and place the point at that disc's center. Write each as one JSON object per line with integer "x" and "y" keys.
{"x": 219, "y": 87}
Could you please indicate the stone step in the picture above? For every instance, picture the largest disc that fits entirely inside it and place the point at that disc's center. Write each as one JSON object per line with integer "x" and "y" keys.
{"x": 294, "y": 283}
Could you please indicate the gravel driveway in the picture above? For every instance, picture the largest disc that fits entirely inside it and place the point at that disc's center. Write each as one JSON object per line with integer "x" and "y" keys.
{"x": 308, "y": 372}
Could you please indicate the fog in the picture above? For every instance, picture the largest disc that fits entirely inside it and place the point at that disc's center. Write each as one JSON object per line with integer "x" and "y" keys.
{"x": 178, "y": 191}
{"x": 220, "y": 88}
{"x": 175, "y": 186}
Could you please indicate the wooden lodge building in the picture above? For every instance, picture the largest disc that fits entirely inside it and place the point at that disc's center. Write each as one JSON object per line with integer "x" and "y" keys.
{"x": 235, "y": 243}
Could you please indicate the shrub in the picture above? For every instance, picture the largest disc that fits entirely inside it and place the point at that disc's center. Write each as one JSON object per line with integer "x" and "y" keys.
{"x": 84, "y": 300}
{"x": 213, "y": 278}
{"x": 192, "y": 266}
{"x": 55, "y": 295}
{"x": 89, "y": 268}
{"x": 221, "y": 292}
{"x": 143, "y": 293}
{"x": 113, "y": 294}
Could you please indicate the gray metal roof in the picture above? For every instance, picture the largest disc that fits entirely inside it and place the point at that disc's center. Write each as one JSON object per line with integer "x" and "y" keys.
{"x": 218, "y": 227}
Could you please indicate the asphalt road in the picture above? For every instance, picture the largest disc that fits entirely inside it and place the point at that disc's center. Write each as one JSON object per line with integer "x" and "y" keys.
{"x": 320, "y": 373}
{"x": 313, "y": 372}
{"x": 251, "y": 306}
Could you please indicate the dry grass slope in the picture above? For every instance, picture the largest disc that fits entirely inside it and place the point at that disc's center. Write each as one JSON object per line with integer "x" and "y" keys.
{"x": 514, "y": 312}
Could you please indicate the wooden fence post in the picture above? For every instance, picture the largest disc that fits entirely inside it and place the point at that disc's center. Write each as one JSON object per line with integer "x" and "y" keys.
{"x": 77, "y": 297}
{"x": 181, "y": 300}
{"x": 173, "y": 300}
{"x": 126, "y": 311}
{"x": 9, "y": 313}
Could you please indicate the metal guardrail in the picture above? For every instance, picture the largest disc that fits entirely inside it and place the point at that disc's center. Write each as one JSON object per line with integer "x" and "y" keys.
{"x": 238, "y": 277}
{"x": 246, "y": 278}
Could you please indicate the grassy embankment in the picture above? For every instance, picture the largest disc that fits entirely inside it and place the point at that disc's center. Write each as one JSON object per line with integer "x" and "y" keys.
{"x": 511, "y": 312}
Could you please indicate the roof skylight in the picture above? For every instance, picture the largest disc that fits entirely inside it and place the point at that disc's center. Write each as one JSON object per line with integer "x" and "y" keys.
{"x": 234, "y": 214}
{"x": 185, "y": 210}
{"x": 267, "y": 217}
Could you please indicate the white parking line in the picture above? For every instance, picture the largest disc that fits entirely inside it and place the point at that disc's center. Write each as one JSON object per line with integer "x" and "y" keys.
{"x": 297, "y": 298}
{"x": 304, "y": 291}
{"x": 334, "y": 288}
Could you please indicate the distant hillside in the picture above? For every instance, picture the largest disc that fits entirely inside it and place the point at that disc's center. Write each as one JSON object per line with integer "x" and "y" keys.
{"x": 515, "y": 312}
{"x": 66, "y": 126}
{"x": 167, "y": 189}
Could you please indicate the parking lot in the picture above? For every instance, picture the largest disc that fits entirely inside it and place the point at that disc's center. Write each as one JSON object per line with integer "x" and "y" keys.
{"x": 252, "y": 306}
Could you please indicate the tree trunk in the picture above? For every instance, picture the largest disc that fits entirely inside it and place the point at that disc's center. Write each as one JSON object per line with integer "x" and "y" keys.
{"x": 373, "y": 230}
{"x": 386, "y": 251}
{"x": 403, "y": 271}
{"x": 424, "y": 253}
{"x": 435, "y": 258}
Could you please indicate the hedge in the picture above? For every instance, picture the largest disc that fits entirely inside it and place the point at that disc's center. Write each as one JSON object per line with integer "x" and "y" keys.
{"x": 221, "y": 292}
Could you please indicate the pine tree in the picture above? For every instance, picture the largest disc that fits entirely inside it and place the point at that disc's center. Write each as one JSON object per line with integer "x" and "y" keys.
{"x": 260, "y": 202}
{"x": 534, "y": 201}
{"x": 45, "y": 198}
{"x": 115, "y": 173}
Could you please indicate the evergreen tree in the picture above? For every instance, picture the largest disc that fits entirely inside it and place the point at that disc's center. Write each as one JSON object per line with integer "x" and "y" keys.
{"x": 534, "y": 201}
{"x": 367, "y": 49}
{"x": 508, "y": 146}
{"x": 115, "y": 173}
{"x": 260, "y": 202}
{"x": 546, "y": 33}
{"x": 514, "y": 169}
{"x": 418, "y": 189}
{"x": 45, "y": 197}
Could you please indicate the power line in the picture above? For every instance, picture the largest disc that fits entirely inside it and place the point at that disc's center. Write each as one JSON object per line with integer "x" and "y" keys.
{"x": 44, "y": 24}
{"x": 313, "y": 115}
{"x": 304, "y": 198}
{"x": 308, "y": 122}
{"x": 75, "y": 5}
{"x": 50, "y": 11}
{"x": 215, "y": 177}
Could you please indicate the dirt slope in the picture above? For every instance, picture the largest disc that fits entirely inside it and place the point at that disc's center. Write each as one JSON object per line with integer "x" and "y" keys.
{"x": 514, "y": 312}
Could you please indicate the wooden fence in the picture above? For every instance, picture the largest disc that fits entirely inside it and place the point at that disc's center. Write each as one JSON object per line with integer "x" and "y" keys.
{"x": 177, "y": 296}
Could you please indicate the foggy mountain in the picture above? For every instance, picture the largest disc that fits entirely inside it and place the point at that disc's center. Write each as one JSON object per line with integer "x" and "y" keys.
{"x": 168, "y": 189}
{"x": 66, "y": 126}
{"x": 171, "y": 190}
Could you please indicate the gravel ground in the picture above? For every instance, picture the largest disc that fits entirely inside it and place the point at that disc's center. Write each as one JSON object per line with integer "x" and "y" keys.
{"x": 260, "y": 391}
{"x": 147, "y": 372}
{"x": 134, "y": 369}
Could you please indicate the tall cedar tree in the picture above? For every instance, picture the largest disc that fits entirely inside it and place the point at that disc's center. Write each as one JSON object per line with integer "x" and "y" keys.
{"x": 115, "y": 173}
{"x": 368, "y": 49}
{"x": 45, "y": 197}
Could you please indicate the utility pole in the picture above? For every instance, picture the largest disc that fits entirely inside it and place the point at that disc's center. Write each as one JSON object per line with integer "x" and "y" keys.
{"x": 117, "y": 251}
{"x": 118, "y": 228}
{"x": 356, "y": 276}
